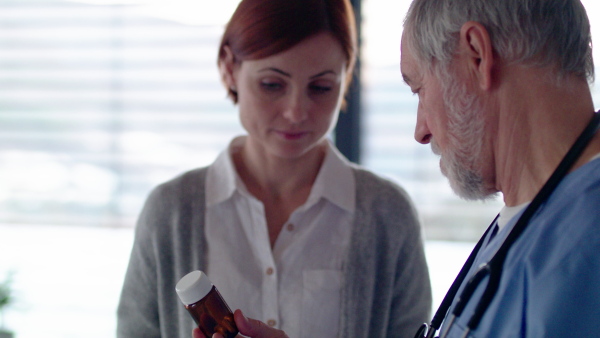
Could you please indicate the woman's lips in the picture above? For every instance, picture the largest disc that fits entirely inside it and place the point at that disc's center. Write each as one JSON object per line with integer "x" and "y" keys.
{"x": 292, "y": 135}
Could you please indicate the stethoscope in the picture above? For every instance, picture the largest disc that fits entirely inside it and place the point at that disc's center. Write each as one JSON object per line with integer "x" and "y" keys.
{"x": 493, "y": 268}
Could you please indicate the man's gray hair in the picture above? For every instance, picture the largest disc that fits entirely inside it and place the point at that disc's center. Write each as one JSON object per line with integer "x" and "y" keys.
{"x": 532, "y": 32}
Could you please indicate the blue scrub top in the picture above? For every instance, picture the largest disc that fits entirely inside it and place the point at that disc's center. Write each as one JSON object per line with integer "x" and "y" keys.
{"x": 550, "y": 286}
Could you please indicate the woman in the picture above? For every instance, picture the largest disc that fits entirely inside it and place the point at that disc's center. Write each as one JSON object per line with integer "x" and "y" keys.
{"x": 285, "y": 227}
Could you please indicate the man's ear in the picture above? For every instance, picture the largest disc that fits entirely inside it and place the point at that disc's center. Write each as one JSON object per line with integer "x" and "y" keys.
{"x": 476, "y": 46}
{"x": 227, "y": 66}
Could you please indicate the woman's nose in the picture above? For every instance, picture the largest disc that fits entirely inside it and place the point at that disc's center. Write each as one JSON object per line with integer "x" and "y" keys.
{"x": 296, "y": 108}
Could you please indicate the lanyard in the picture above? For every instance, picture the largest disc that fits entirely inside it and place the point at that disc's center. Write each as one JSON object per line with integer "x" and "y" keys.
{"x": 493, "y": 268}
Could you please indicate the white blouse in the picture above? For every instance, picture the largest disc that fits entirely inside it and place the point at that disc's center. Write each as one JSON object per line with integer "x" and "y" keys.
{"x": 296, "y": 286}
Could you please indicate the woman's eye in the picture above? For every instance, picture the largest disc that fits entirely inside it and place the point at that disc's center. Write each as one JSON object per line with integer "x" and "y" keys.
{"x": 320, "y": 89}
{"x": 271, "y": 86}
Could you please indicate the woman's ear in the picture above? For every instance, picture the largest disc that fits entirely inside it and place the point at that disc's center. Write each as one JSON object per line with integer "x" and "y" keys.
{"x": 227, "y": 66}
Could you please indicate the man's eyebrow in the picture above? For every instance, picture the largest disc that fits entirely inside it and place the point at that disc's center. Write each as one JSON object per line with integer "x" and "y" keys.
{"x": 406, "y": 79}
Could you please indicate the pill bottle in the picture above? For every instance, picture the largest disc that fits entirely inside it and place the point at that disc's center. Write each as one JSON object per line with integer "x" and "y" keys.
{"x": 206, "y": 305}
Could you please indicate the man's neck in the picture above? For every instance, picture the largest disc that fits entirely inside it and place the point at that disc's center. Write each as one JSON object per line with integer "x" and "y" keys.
{"x": 536, "y": 128}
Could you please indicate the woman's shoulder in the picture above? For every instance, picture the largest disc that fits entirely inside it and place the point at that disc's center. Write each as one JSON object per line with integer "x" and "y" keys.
{"x": 173, "y": 202}
{"x": 177, "y": 194}
{"x": 189, "y": 182}
{"x": 385, "y": 212}
{"x": 369, "y": 183}
{"x": 380, "y": 198}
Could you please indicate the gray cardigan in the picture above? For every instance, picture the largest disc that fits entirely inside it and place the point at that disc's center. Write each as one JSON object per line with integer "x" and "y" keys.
{"x": 385, "y": 293}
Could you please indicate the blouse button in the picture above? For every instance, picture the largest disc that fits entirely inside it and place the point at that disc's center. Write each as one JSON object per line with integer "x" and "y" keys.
{"x": 291, "y": 227}
{"x": 271, "y": 322}
{"x": 270, "y": 271}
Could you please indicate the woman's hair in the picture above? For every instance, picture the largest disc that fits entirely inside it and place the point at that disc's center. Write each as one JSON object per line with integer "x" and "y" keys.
{"x": 262, "y": 28}
{"x": 535, "y": 32}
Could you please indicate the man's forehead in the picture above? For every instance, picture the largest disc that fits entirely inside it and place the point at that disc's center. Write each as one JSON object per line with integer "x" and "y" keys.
{"x": 408, "y": 65}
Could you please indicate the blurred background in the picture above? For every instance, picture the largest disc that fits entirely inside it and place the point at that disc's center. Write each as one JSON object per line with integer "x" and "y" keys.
{"x": 102, "y": 100}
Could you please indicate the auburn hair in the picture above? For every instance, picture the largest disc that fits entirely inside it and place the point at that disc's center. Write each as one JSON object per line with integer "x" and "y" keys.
{"x": 262, "y": 28}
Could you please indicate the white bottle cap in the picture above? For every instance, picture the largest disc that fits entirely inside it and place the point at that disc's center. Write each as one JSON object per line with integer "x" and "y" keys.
{"x": 193, "y": 287}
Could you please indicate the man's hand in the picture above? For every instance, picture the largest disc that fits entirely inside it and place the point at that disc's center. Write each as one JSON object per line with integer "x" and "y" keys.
{"x": 248, "y": 327}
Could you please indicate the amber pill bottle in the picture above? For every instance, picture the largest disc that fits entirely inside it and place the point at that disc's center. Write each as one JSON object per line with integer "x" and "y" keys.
{"x": 206, "y": 305}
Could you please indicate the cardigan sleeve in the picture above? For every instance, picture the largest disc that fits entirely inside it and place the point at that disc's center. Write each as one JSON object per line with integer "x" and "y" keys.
{"x": 169, "y": 242}
{"x": 411, "y": 302}
{"x": 410, "y": 298}
{"x": 387, "y": 291}
{"x": 137, "y": 313}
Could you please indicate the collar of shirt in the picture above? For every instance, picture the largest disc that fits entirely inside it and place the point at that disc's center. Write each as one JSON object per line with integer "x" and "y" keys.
{"x": 507, "y": 213}
{"x": 334, "y": 182}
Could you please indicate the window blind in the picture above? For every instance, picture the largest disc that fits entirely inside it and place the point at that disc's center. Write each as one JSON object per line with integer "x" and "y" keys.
{"x": 98, "y": 104}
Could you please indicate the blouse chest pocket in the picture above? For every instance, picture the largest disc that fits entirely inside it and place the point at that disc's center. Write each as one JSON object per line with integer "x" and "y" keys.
{"x": 321, "y": 302}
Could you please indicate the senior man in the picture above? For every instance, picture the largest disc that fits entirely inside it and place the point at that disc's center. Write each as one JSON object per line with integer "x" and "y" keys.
{"x": 504, "y": 99}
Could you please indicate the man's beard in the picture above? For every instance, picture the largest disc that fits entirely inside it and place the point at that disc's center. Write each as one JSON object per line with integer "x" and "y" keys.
{"x": 462, "y": 161}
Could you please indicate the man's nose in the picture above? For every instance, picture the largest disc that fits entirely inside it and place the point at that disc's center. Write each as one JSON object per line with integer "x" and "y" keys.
{"x": 422, "y": 132}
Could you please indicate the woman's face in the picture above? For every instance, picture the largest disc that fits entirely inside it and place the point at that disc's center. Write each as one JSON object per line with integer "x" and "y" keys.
{"x": 288, "y": 102}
